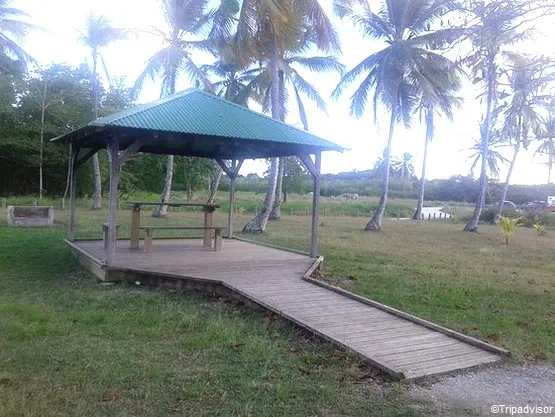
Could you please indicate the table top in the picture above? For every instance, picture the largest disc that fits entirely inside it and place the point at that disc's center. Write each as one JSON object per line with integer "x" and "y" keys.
{"x": 150, "y": 203}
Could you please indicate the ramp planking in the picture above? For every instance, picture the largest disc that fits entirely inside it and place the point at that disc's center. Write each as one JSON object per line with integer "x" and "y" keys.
{"x": 273, "y": 278}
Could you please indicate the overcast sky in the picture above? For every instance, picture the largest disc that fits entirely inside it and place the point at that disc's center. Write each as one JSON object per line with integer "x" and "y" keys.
{"x": 448, "y": 154}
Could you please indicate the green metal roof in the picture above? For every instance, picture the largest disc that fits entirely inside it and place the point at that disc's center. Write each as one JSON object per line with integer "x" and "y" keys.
{"x": 195, "y": 123}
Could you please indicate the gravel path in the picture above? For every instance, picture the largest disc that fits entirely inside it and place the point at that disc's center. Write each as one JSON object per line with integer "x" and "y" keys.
{"x": 474, "y": 393}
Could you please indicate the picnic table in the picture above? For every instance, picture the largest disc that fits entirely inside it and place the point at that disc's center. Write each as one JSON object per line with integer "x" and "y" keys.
{"x": 208, "y": 227}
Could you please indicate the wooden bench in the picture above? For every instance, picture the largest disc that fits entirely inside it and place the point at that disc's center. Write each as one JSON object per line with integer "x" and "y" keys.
{"x": 149, "y": 237}
{"x": 105, "y": 233}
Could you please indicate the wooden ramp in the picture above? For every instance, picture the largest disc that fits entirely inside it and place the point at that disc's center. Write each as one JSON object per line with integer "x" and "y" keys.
{"x": 402, "y": 345}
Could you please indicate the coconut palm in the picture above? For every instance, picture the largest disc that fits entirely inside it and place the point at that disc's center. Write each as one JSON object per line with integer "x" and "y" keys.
{"x": 186, "y": 20}
{"x": 13, "y": 30}
{"x": 496, "y": 26}
{"x": 406, "y": 69}
{"x": 494, "y": 158}
{"x": 293, "y": 89}
{"x": 547, "y": 141}
{"x": 405, "y": 168}
{"x": 522, "y": 116}
{"x": 266, "y": 30}
{"x": 229, "y": 79}
{"x": 98, "y": 34}
{"x": 428, "y": 112}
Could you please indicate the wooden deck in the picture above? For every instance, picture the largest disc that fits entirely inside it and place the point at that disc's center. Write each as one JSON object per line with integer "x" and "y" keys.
{"x": 401, "y": 345}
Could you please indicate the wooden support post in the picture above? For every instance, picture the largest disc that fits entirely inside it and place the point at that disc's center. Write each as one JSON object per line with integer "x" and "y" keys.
{"x": 217, "y": 240}
{"x": 208, "y": 222}
{"x": 149, "y": 237}
{"x": 113, "y": 157}
{"x": 232, "y": 172}
{"x": 135, "y": 224}
{"x": 315, "y": 206}
{"x": 72, "y": 193}
{"x": 231, "y": 208}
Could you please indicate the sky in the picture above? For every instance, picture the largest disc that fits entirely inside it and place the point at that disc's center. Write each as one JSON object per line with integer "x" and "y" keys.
{"x": 449, "y": 152}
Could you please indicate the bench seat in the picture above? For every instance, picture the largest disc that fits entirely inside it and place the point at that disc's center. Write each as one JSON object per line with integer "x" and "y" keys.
{"x": 149, "y": 234}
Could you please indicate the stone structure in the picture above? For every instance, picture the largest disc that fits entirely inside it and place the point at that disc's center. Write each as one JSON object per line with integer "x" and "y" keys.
{"x": 30, "y": 216}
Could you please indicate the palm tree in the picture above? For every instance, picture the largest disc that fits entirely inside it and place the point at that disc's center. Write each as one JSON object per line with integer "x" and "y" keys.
{"x": 527, "y": 79}
{"x": 405, "y": 167}
{"x": 265, "y": 31}
{"x": 229, "y": 79}
{"x": 12, "y": 32}
{"x": 98, "y": 34}
{"x": 378, "y": 170}
{"x": 495, "y": 25}
{"x": 293, "y": 87}
{"x": 428, "y": 111}
{"x": 494, "y": 158}
{"x": 547, "y": 140}
{"x": 185, "y": 20}
{"x": 406, "y": 69}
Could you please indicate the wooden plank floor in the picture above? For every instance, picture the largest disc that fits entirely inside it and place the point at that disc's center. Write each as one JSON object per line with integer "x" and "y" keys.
{"x": 273, "y": 279}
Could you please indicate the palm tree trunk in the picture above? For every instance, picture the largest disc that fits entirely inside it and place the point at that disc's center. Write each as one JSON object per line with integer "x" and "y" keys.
{"x": 275, "y": 214}
{"x": 162, "y": 210}
{"x": 68, "y": 175}
{"x": 214, "y": 186}
{"x": 509, "y": 173}
{"x": 97, "y": 194}
{"x": 472, "y": 225}
{"x": 258, "y": 224}
{"x": 404, "y": 177}
{"x": 550, "y": 167}
{"x": 375, "y": 223}
{"x": 41, "y": 157}
{"x": 429, "y": 134}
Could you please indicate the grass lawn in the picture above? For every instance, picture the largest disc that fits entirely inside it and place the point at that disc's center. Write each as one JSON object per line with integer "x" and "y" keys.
{"x": 471, "y": 282}
{"x": 69, "y": 347}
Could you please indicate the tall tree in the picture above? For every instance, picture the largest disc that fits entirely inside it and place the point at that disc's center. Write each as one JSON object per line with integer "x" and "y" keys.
{"x": 99, "y": 33}
{"x": 12, "y": 32}
{"x": 522, "y": 118}
{"x": 229, "y": 77}
{"x": 493, "y": 27}
{"x": 293, "y": 89}
{"x": 547, "y": 141}
{"x": 405, "y": 167}
{"x": 267, "y": 29}
{"x": 185, "y": 20}
{"x": 494, "y": 158}
{"x": 428, "y": 111}
{"x": 407, "y": 68}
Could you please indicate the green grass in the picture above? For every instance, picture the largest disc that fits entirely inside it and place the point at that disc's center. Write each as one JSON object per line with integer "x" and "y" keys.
{"x": 249, "y": 203}
{"x": 70, "y": 347}
{"x": 471, "y": 282}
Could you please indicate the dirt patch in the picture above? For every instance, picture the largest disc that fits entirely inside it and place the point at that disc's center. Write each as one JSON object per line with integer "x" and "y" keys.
{"x": 346, "y": 282}
{"x": 475, "y": 393}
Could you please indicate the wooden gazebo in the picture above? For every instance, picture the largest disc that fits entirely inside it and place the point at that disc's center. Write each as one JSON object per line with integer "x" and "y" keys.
{"x": 192, "y": 123}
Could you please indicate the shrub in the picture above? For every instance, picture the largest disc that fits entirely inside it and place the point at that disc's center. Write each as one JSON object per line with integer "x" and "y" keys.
{"x": 530, "y": 218}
